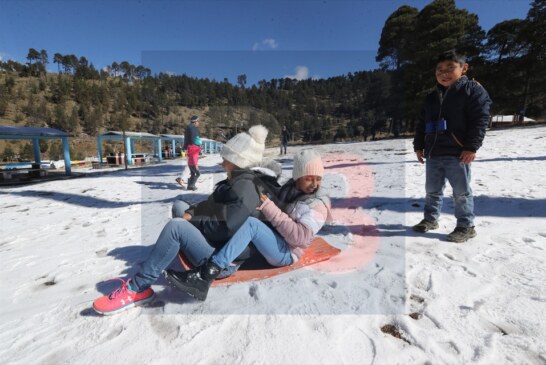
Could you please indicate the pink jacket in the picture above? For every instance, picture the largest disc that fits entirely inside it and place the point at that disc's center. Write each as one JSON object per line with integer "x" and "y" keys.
{"x": 303, "y": 220}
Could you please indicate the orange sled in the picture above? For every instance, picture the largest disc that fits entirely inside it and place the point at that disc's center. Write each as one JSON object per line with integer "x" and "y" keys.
{"x": 318, "y": 251}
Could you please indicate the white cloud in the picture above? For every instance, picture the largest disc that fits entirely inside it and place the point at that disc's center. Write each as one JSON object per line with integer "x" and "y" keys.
{"x": 302, "y": 73}
{"x": 271, "y": 43}
{"x": 268, "y": 43}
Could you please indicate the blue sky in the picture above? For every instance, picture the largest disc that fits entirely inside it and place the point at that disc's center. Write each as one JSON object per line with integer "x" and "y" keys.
{"x": 218, "y": 38}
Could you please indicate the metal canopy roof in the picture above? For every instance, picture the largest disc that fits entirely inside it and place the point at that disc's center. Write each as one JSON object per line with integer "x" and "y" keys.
{"x": 31, "y": 132}
{"x": 130, "y": 134}
{"x": 172, "y": 136}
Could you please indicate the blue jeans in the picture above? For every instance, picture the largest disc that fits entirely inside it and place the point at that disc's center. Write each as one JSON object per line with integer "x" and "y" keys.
{"x": 268, "y": 242}
{"x": 177, "y": 235}
{"x": 450, "y": 168}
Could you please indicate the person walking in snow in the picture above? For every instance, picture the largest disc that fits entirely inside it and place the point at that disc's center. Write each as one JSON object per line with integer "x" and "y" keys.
{"x": 306, "y": 207}
{"x": 285, "y": 137}
{"x": 198, "y": 230}
{"x": 450, "y": 130}
{"x": 192, "y": 146}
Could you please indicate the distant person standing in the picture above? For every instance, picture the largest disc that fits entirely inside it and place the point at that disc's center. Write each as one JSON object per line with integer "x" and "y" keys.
{"x": 449, "y": 132}
{"x": 192, "y": 145}
{"x": 285, "y": 137}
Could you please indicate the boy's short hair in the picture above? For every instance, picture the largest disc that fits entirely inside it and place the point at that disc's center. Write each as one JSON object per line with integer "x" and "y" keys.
{"x": 451, "y": 55}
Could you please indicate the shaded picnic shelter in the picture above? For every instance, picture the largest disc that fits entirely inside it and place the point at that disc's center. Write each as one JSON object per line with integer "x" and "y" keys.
{"x": 36, "y": 134}
{"x": 173, "y": 139}
{"x": 207, "y": 145}
{"x": 129, "y": 141}
{"x": 211, "y": 146}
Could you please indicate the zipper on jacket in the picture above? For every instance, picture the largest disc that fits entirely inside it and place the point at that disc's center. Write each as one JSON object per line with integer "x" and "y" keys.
{"x": 442, "y": 97}
{"x": 456, "y": 139}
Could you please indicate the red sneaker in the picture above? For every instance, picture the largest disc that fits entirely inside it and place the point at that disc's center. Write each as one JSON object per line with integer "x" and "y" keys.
{"x": 122, "y": 298}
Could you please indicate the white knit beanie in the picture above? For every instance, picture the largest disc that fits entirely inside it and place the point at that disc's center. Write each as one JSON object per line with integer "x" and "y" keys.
{"x": 307, "y": 162}
{"x": 246, "y": 149}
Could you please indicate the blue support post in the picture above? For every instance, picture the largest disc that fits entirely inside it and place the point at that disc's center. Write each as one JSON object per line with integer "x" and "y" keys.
{"x": 173, "y": 146}
{"x": 99, "y": 149}
{"x": 36, "y": 145}
{"x": 66, "y": 154}
{"x": 129, "y": 151}
{"x": 159, "y": 152}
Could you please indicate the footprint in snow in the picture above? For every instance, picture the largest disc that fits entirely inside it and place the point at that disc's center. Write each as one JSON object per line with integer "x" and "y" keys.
{"x": 417, "y": 298}
{"x": 394, "y": 332}
{"x": 102, "y": 252}
{"x": 450, "y": 347}
{"x": 50, "y": 282}
{"x": 253, "y": 291}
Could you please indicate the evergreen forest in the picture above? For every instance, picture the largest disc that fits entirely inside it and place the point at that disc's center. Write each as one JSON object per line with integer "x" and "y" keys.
{"x": 509, "y": 60}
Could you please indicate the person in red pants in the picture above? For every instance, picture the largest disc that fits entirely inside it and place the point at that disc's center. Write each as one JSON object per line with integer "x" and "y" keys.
{"x": 192, "y": 145}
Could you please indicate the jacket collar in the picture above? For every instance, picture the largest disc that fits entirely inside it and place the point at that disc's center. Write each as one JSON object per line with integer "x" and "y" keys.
{"x": 238, "y": 172}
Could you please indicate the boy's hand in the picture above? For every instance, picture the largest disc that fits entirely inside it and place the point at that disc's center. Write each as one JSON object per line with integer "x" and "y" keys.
{"x": 467, "y": 157}
{"x": 420, "y": 154}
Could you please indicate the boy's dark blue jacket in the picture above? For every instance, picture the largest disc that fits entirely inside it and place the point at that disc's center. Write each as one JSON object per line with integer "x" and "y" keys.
{"x": 465, "y": 107}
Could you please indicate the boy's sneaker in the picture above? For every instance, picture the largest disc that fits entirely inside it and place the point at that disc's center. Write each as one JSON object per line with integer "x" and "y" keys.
{"x": 425, "y": 226}
{"x": 461, "y": 234}
{"x": 122, "y": 298}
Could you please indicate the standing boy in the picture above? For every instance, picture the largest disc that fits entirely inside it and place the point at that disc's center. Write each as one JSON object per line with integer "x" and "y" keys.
{"x": 449, "y": 132}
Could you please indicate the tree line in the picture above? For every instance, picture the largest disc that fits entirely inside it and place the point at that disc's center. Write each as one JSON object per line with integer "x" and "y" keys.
{"x": 509, "y": 60}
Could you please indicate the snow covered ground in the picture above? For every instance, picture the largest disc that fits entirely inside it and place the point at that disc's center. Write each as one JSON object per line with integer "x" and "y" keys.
{"x": 481, "y": 302}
